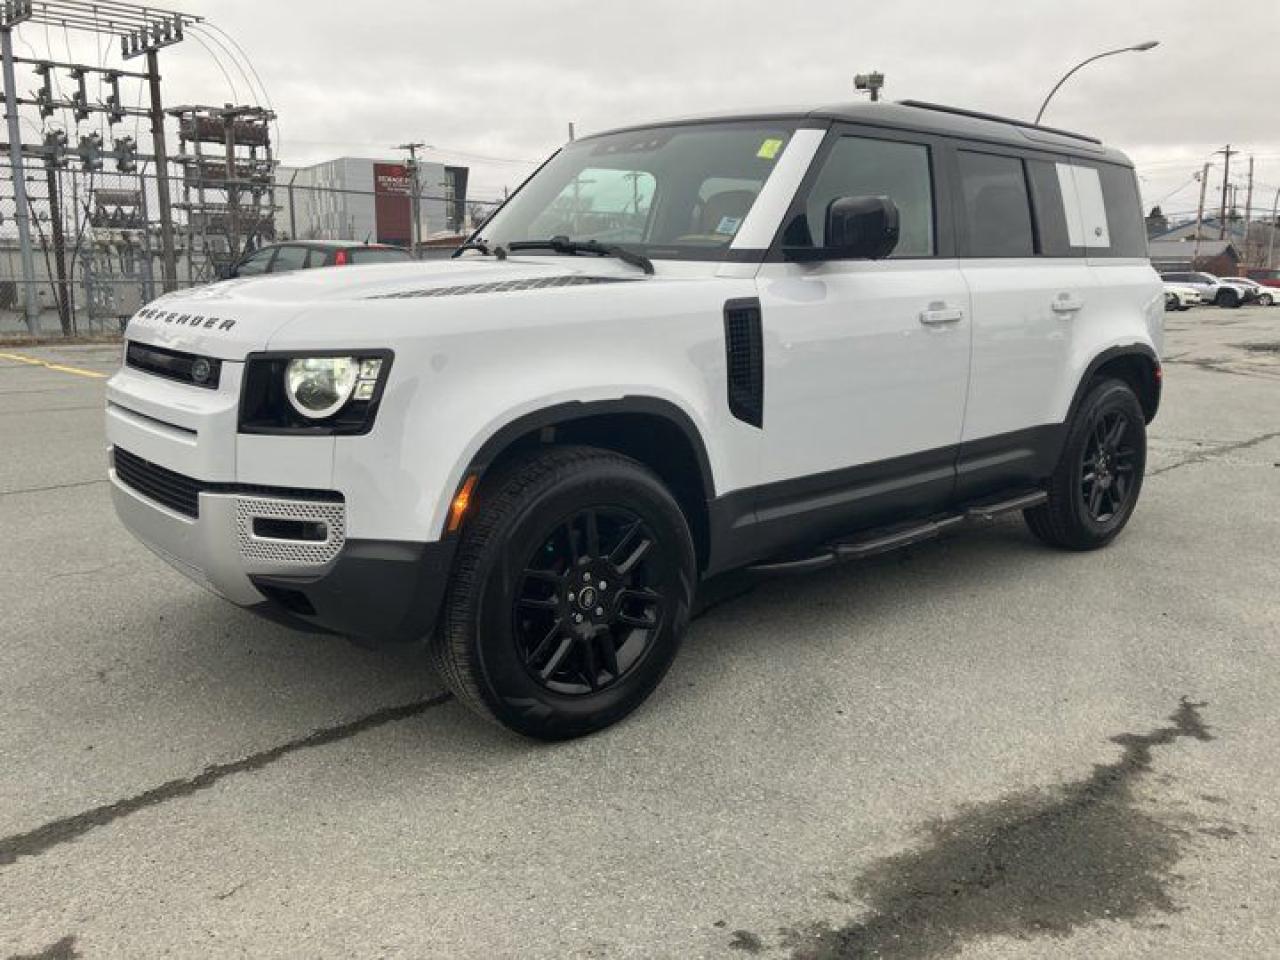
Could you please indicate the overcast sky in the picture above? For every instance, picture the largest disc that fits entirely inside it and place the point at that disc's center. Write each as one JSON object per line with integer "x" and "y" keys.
{"x": 493, "y": 84}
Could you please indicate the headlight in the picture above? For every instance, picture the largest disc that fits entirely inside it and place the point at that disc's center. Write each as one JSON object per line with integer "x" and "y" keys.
{"x": 319, "y": 387}
{"x": 333, "y": 394}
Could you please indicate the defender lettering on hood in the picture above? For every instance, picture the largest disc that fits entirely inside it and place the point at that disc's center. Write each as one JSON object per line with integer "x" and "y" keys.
{"x": 183, "y": 319}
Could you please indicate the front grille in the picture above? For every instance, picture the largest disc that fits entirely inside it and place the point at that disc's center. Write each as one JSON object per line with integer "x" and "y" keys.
{"x": 175, "y": 365}
{"x": 166, "y": 487}
{"x": 182, "y": 493}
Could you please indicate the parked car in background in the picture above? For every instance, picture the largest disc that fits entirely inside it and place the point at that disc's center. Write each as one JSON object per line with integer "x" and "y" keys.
{"x": 1179, "y": 296}
{"x": 1266, "y": 296}
{"x": 1211, "y": 289}
{"x": 307, "y": 254}
{"x": 1267, "y": 276}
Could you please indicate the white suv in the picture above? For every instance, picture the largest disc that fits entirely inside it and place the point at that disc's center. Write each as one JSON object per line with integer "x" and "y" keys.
{"x": 773, "y": 341}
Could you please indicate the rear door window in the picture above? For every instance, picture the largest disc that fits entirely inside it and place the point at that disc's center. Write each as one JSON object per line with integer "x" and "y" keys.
{"x": 997, "y": 205}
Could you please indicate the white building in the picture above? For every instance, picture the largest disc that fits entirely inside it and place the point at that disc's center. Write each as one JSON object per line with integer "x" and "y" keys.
{"x": 356, "y": 198}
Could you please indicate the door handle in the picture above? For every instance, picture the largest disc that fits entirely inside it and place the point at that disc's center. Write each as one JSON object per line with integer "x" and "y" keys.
{"x": 1067, "y": 304}
{"x": 938, "y": 314}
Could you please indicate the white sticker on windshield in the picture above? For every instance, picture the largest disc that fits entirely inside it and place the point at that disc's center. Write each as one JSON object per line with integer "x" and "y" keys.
{"x": 729, "y": 225}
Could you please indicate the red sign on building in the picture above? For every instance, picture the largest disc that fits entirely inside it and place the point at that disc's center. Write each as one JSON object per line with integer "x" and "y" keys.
{"x": 392, "y": 212}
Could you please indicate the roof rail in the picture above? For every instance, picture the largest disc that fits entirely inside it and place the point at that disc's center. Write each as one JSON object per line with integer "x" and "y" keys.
{"x": 959, "y": 111}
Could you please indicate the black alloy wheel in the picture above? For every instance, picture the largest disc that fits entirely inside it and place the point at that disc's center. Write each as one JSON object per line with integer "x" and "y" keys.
{"x": 589, "y": 604}
{"x": 570, "y": 592}
{"x": 1095, "y": 487}
{"x": 1107, "y": 467}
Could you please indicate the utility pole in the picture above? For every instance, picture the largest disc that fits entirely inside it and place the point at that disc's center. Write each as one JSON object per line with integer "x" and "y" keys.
{"x": 1226, "y": 173}
{"x": 169, "y": 266}
{"x": 1204, "y": 183}
{"x": 415, "y": 228}
{"x": 22, "y": 212}
{"x": 1271, "y": 244}
{"x": 571, "y": 131}
{"x": 62, "y": 293}
{"x": 1248, "y": 209}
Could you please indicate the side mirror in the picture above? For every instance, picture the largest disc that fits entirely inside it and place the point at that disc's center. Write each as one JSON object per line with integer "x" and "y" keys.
{"x": 861, "y": 228}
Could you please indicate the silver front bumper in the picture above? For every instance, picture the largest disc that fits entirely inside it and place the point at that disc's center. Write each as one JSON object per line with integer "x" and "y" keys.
{"x": 220, "y": 549}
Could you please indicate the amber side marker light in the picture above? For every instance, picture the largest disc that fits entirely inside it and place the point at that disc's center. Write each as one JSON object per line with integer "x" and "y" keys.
{"x": 461, "y": 502}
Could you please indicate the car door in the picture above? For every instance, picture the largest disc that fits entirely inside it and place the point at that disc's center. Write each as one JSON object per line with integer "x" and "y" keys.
{"x": 1024, "y": 260}
{"x": 866, "y": 362}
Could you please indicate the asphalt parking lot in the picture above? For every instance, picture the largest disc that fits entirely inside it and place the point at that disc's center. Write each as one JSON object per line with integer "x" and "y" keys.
{"x": 977, "y": 747}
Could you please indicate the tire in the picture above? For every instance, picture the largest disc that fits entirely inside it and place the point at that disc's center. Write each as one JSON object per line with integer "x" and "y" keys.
{"x": 1227, "y": 298}
{"x": 1069, "y": 519}
{"x": 1265, "y": 300}
{"x": 1171, "y": 302}
{"x": 549, "y": 629}
{"x": 1183, "y": 306}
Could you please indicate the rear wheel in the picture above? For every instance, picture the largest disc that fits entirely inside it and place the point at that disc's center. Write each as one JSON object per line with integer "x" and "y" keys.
{"x": 571, "y": 591}
{"x": 1227, "y": 298}
{"x": 1266, "y": 299}
{"x": 1095, "y": 487}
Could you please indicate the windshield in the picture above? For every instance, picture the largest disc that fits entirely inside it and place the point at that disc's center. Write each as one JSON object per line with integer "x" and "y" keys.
{"x": 679, "y": 192}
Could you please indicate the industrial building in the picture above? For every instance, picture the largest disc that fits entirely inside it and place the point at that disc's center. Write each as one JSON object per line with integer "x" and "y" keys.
{"x": 357, "y": 198}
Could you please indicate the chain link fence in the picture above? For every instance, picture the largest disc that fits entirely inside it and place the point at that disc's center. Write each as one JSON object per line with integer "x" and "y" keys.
{"x": 97, "y": 241}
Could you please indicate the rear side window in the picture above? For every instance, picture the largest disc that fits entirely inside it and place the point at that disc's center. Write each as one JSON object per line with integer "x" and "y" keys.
{"x": 316, "y": 257}
{"x": 1124, "y": 213}
{"x": 997, "y": 205}
{"x": 862, "y": 167}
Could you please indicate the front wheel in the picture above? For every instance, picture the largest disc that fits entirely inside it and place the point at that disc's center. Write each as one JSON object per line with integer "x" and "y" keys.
{"x": 1095, "y": 487}
{"x": 570, "y": 593}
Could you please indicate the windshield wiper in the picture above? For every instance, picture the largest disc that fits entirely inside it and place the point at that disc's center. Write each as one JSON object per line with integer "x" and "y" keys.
{"x": 571, "y": 247}
{"x": 483, "y": 247}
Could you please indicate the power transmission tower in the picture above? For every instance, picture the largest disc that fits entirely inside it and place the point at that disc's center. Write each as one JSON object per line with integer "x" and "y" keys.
{"x": 415, "y": 228}
{"x": 1226, "y": 173}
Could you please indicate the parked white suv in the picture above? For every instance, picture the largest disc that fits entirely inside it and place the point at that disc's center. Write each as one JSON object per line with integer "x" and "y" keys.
{"x": 1223, "y": 293}
{"x": 771, "y": 341}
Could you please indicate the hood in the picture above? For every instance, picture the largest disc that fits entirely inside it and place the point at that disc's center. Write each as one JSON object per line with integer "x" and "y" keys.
{"x": 232, "y": 318}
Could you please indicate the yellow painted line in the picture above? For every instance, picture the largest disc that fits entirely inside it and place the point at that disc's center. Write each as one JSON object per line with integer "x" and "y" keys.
{"x": 53, "y": 366}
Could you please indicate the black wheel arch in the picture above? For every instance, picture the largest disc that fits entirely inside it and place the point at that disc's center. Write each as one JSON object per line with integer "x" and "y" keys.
{"x": 1136, "y": 364}
{"x": 650, "y": 430}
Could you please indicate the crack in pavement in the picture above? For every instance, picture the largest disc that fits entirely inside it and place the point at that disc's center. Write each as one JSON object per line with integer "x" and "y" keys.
{"x": 1208, "y": 455}
{"x": 64, "y": 830}
{"x": 1036, "y": 864}
{"x": 56, "y": 486}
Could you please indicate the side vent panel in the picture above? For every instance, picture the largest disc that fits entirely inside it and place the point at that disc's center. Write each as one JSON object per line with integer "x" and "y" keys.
{"x": 744, "y": 355}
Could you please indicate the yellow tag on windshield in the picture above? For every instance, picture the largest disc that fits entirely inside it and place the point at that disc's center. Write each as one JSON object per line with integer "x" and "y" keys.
{"x": 769, "y": 149}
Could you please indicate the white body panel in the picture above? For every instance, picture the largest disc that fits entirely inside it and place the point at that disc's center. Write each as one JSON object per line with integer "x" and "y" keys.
{"x": 855, "y": 371}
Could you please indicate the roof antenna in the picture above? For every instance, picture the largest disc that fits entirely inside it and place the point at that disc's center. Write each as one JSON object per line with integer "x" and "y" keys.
{"x": 871, "y": 83}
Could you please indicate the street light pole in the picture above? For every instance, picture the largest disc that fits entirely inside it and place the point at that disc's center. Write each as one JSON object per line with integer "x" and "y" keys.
{"x": 1136, "y": 48}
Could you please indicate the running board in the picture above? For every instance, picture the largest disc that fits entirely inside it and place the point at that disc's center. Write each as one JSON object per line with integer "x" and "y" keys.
{"x": 885, "y": 540}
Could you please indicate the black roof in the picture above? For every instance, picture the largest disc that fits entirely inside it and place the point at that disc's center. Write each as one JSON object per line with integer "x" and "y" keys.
{"x": 925, "y": 117}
